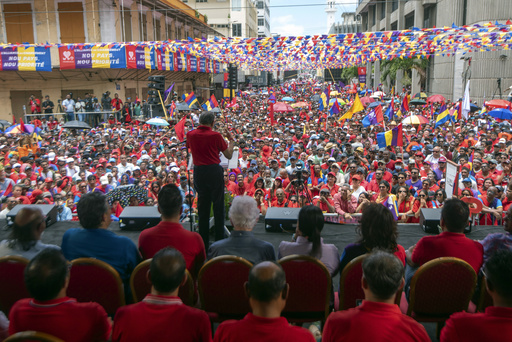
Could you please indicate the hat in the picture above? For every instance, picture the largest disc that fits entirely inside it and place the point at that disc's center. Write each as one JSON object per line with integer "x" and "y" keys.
{"x": 398, "y": 161}
{"x": 356, "y": 177}
{"x": 70, "y": 160}
{"x": 51, "y": 156}
{"x": 48, "y": 180}
{"x": 293, "y": 157}
{"x": 493, "y": 161}
{"x": 442, "y": 181}
{"x": 282, "y": 160}
{"x": 442, "y": 159}
{"x": 102, "y": 160}
{"x": 331, "y": 159}
{"x": 359, "y": 149}
{"x": 419, "y": 154}
{"x": 183, "y": 178}
{"x": 103, "y": 180}
{"x": 466, "y": 180}
{"x": 502, "y": 141}
{"x": 411, "y": 161}
{"x": 16, "y": 165}
{"x": 328, "y": 146}
{"x": 393, "y": 123}
{"x": 360, "y": 169}
{"x": 335, "y": 165}
{"x": 331, "y": 174}
{"x": 273, "y": 161}
{"x": 175, "y": 169}
{"x": 324, "y": 190}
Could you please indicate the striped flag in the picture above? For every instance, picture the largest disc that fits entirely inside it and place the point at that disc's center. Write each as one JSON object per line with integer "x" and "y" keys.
{"x": 392, "y": 137}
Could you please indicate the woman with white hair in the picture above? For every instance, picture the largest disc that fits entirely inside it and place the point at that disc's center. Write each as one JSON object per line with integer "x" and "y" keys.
{"x": 244, "y": 215}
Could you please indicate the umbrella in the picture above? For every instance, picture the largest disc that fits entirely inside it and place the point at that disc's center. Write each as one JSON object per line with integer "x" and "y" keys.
{"x": 123, "y": 193}
{"x": 473, "y": 108}
{"x": 418, "y": 102}
{"x": 76, "y": 124}
{"x": 436, "y": 98}
{"x": 378, "y": 94}
{"x": 183, "y": 106}
{"x": 497, "y": 104}
{"x": 282, "y": 107}
{"x": 375, "y": 104}
{"x": 315, "y": 98}
{"x": 5, "y": 123}
{"x": 300, "y": 104}
{"x": 366, "y": 100}
{"x": 420, "y": 96}
{"x": 334, "y": 93}
{"x": 415, "y": 120}
{"x": 215, "y": 110}
{"x": 288, "y": 99}
{"x": 16, "y": 129}
{"x": 340, "y": 102}
{"x": 157, "y": 122}
{"x": 501, "y": 113}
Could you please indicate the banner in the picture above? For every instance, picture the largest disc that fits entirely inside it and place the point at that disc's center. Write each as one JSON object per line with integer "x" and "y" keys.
{"x": 202, "y": 65}
{"x": 140, "y": 57}
{"x": 96, "y": 57}
{"x": 25, "y": 59}
{"x": 165, "y": 59}
{"x": 361, "y": 72}
{"x": 193, "y": 64}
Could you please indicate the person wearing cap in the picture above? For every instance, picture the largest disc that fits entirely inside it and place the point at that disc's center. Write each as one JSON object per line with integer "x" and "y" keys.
{"x": 356, "y": 186}
{"x": 104, "y": 186}
{"x": 464, "y": 173}
{"x": 331, "y": 184}
{"x": 71, "y": 168}
{"x": 324, "y": 201}
{"x": 492, "y": 209}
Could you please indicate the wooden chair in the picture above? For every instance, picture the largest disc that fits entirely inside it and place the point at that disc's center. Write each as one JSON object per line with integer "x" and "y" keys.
{"x": 93, "y": 280}
{"x": 12, "y": 286}
{"x": 32, "y": 336}
{"x": 440, "y": 288}
{"x": 351, "y": 292}
{"x": 221, "y": 287}
{"x": 140, "y": 285}
{"x": 310, "y": 289}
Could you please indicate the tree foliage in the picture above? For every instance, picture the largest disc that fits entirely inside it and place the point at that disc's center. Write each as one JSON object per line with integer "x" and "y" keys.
{"x": 348, "y": 74}
{"x": 391, "y": 67}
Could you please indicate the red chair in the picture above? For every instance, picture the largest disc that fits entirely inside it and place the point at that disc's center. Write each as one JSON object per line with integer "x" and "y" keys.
{"x": 12, "y": 285}
{"x": 351, "y": 292}
{"x": 310, "y": 289}
{"x": 93, "y": 280}
{"x": 32, "y": 336}
{"x": 221, "y": 287}
{"x": 141, "y": 286}
{"x": 440, "y": 288}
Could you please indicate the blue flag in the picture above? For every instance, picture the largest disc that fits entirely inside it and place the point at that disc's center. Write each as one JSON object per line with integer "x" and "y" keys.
{"x": 370, "y": 119}
{"x": 389, "y": 112}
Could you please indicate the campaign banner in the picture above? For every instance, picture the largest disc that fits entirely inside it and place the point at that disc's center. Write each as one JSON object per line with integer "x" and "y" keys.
{"x": 165, "y": 59}
{"x": 361, "y": 72}
{"x": 216, "y": 67}
{"x": 22, "y": 58}
{"x": 140, "y": 57}
{"x": 96, "y": 57}
{"x": 193, "y": 64}
{"x": 181, "y": 65}
{"x": 188, "y": 61}
{"x": 202, "y": 65}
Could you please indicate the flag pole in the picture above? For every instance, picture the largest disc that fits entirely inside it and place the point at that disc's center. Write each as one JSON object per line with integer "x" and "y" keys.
{"x": 162, "y": 103}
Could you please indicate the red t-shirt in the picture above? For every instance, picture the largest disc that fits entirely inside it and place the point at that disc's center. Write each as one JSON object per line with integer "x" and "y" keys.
{"x": 161, "y": 318}
{"x": 205, "y": 145}
{"x": 168, "y": 234}
{"x": 448, "y": 244}
{"x": 63, "y": 318}
{"x": 373, "y": 321}
{"x": 255, "y": 328}
{"x": 275, "y": 203}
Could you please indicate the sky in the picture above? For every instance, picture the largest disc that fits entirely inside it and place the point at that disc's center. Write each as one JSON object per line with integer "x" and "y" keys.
{"x": 304, "y": 20}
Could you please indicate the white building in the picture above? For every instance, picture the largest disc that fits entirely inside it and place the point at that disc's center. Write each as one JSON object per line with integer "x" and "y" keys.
{"x": 263, "y": 18}
{"x": 331, "y": 13}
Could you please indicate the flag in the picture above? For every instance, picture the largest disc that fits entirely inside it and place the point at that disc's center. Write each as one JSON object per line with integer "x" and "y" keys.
{"x": 324, "y": 100}
{"x": 378, "y": 113}
{"x": 335, "y": 109}
{"x": 443, "y": 116}
{"x": 190, "y": 99}
{"x": 213, "y": 101}
{"x": 390, "y": 112}
{"x": 167, "y": 94}
{"x": 172, "y": 108}
{"x": 13, "y": 120}
{"x": 8, "y": 191}
{"x": 404, "y": 107}
{"x": 179, "y": 128}
{"x": 22, "y": 125}
{"x": 391, "y": 205}
{"x": 271, "y": 114}
{"x": 357, "y": 106}
{"x": 374, "y": 117}
{"x": 392, "y": 137}
{"x": 466, "y": 104}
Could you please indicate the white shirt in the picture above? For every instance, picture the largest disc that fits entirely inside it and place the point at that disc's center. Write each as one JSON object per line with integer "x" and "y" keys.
{"x": 70, "y": 172}
{"x": 122, "y": 169}
{"x": 69, "y": 105}
{"x": 3, "y": 213}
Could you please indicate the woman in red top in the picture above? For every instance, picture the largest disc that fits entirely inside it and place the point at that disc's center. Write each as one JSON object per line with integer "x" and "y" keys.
{"x": 421, "y": 202}
{"x": 153, "y": 191}
{"x": 404, "y": 203}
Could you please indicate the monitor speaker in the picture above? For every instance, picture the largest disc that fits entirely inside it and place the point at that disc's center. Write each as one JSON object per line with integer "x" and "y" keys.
{"x": 49, "y": 211}
{"x": 139, "y": 218}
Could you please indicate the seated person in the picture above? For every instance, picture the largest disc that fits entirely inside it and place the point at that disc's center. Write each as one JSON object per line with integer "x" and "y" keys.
{"x": 161, "y": 315}
{"x": 496, "y": 323}
{"x": 25, "y": 238}
{"x": 94, "y": 240}
{"x": 50, "y": 310}
{"x": 170, "y": 233}
{"x": 496, "y": 241}
{"x": 267, "y": 291}
{"x": 10, "y": 202}
{"x": 325, "y": 201}
{"x": 244, "y": 215}
{"x": 378, "y": 318}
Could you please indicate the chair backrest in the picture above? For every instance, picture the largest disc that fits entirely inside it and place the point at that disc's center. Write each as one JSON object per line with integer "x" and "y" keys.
{"x": 141, "y": 286}
{"x": 351, "y": 292}
{"x": 93, "y": 280}
{"x": 221, "y": 287}
{"x": 310, "y": 288}
{"x": 441, "y": 287}
{"x": 32, "y": 336}
{"x": 12, "y": 285}
{"x": 485, "y": 299}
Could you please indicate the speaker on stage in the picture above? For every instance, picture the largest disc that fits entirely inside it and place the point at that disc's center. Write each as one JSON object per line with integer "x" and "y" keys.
{"x": 281, "y": 219}
{"x": 430, "y": 221}
{"x": 139, "y": 218}
{"x": 49, "y": 211}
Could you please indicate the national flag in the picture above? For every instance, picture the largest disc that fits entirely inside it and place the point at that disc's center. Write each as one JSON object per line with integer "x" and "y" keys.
{"x": 443, "y": 116}
{"x": 374, "y": 117}
{"x": 391, "y": 205}
{"x": 179, "y": 128}
{"x": 22, "y": 125}
{"x": 404, "y": 107}
{"x": 13, "y": 120}
{"x": 357, "y": 106}
{"x": 8, "y": 191}
{"x": 172, "y": 108}
{"x": 324, "y": 100}
{"x": 390, "y": 112}
{"x": 271, "y": 114}
{"x": 167, "y": 94}
{"x": 213, "y": 101}
{"x": 466, "y": 104}
{"x": 190, "y": 99}
{"x": 378, "y": 113}
{"x": 335, "y": 109}
{"x": 392, "y": 137}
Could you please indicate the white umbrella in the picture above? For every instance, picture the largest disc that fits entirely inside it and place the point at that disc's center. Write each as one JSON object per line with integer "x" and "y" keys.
{"x": 157, "y": 122}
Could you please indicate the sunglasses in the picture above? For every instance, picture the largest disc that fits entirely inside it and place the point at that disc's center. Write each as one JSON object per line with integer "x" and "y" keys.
{"x": 423, "y": 196}
{"x": 382, "y": 187}
{"x": 402, "y": 191}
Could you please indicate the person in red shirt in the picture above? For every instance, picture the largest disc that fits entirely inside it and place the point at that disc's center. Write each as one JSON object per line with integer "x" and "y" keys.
{"x": 496, "y": 323}
{"x": 240, "y": 188}
{"x": 205, "y": 145}
{"x": 267, "y": 291}
{"x": 325, "y": 201}
{"x": 170, "y": 233}
{"x": 331, "y": 185}
{"x": 280, "y": 200}
{"x": 50, "y": 310}
{"x": 162, "y": 316}
{"x": 383, "y": 276}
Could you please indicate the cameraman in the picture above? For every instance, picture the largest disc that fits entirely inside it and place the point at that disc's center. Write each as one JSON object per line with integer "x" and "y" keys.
{"x": 325, "y": 201}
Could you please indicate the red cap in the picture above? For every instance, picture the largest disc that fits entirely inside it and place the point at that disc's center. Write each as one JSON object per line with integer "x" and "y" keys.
{"x": 356, "y": 177}
{"x": 442, "y": 159}
{"x": 48, "y": 180}
{"x": 103, "y": 160}
{"x": 398, "y": 161}
{"x": 331, "y": 174}
{"x": 419, "y": 154}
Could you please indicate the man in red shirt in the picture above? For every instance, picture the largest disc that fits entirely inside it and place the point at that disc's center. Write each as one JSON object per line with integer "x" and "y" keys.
{"x": 50, "y": 310}
{"x": 170, "y": 233}
{"x": 205, "y": 145}
{"x": 325, "y": 201}
{"x": 267, "y": 291}
{"x": 280, "y": 200}
{"x": 162, "y": 316}
{"x": 383, "y": 275}
{"x": 496, "y": 323}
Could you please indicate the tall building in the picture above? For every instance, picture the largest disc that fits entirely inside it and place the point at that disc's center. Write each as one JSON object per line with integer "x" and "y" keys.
{"x": 263, "y": 18}
{"x": 94, "y": 21}
{"x": 350, "y": 24}
{"x": 331, "y": 10}
{"x": 445, "y": 75}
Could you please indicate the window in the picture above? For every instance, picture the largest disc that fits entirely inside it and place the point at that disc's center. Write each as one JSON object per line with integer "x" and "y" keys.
{"x": 127, "y": 20}
{"x": 261, "y": 22}
{"x": 157, "y": 30}
{"x": 394, "y": 5}
{"x": 71, "y": 21}
{"x": 373, "y": 14}
{"x": 382, "y": 10}
{"x": 201, "y": 0}
{"x": 236, "y": 5}
{"x": 18, "y": 23}
{"x": 237, "y": 30}
{"x": 260, "y": 5}
{"x": 394, "y": 26}
{"x": 409, "y": 21}
{"x": 144, "y": 27}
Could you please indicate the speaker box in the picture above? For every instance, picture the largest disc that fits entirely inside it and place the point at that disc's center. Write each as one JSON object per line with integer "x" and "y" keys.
{"x": 430, "y": 221}
{"x": 139, "y": 218}
{"x": 281, "y": 219}
{"x": 49, "y": 211}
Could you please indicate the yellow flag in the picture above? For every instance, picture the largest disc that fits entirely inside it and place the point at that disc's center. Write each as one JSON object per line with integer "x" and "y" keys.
{"x": 357, "y": 106}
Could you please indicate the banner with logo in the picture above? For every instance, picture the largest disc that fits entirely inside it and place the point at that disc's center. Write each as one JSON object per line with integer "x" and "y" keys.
{"x": 361, "y": 72}
{"x": 93, "y": 56}
{"x": 140, "y": 57}
{"x": 20, "y": 58}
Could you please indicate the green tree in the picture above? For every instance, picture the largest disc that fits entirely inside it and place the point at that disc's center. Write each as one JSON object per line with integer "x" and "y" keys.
{"x": 391, "y": 67}
{"x": 348, "y": 74}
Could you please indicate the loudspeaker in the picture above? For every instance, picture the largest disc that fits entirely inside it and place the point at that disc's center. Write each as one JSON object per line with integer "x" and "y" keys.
{"x": 139, "y": 218}
{"x": 281, "y": 219}
{"x": 430, "y": 221}
{"x": 49, "y": 211}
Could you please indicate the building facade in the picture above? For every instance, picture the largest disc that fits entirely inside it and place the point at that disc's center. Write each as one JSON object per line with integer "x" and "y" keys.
{"x": 263, "y": 7}
{"x": 350, "y": 23}
{"x": 445, "y": 75}
{"x": 93, "y": 21}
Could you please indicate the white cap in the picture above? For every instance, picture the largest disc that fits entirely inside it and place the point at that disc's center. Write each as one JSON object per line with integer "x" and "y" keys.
{"x": 16, "y": 165}
{"x": 70, "y": 160}
{"x": 145, "y": 157}
{"x": 175, "y": 169}
{"x": 51, "y": 156}
{"x": 501, "y": 141}
{"x": 103, "y": 180}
